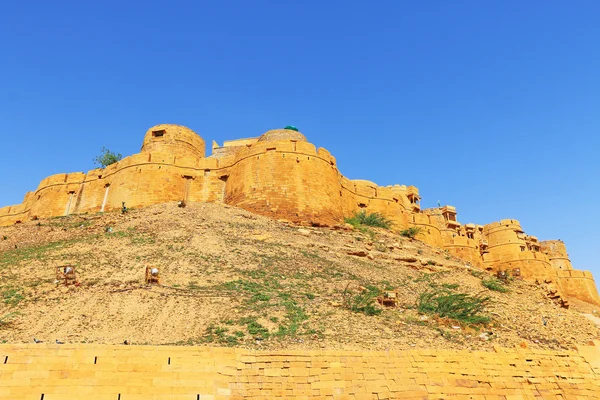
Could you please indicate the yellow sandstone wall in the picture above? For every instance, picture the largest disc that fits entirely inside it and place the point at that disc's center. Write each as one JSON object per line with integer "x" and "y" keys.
{"x": 557, "y": 254}
{"x": 508, "y": 250}
{"x": 99, "y": 372}
{"x": 283, "y": 176}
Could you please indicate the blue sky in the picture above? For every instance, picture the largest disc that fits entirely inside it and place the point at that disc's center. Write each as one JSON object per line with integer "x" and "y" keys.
{"x": 488, "y": 106}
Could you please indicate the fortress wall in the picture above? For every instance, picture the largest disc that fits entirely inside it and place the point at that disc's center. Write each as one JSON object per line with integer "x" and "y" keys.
{"x": 102, "y": 372}
{"x": 430, "y": 233}
{"x": 144, "y": 185}
{"x": 557, "y": 253}
{"x": 578, "y": 284}
{"x": 326, "y": 155}
{"x": 13, "y": 214}
{"x": 56, "y": 195}
{"x": 357, "y": 195}
{"x": 139, "y": 180}
{"x": 240, "y": 142}
{"x": 465, "y": 248}
{"x": 10, "y": 215}
{"x": 533, "y": 265}
{"x": 285, "y": 179}
{"x": 278, "y": 175}
{"x": 508, "y": 250}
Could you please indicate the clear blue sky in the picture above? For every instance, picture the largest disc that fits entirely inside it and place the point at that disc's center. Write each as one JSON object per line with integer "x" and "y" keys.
{"x": 492, "y": 107}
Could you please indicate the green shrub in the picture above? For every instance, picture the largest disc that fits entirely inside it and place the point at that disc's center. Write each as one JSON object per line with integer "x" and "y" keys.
{"x": 363, "y": 302}
{"x": 476, "y": 273}
{"x": 373, "y": 219}
{"x": 451, "y": 286}
{"x": 495, "y": 285}
{"x": 411, "y": 232}
{"x": 461, "y": 307}
{"x": 107, "y": 158}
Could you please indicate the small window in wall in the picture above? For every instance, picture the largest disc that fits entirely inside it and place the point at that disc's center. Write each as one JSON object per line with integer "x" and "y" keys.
{"x": 522, "y": 248}
{"x": 362, "y": 205}
{"x": 158, "y": 134}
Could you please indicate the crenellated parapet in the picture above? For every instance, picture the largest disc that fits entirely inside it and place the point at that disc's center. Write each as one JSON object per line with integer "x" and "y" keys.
{"x": 281, "y": 175}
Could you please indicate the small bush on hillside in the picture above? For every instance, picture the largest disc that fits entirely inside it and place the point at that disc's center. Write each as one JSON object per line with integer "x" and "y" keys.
{"x": 363, "y": 302}
{"x": 411, "y": 232}
{"x": 476, "y": 273}
{"x": 495, "y": 285}
{"x": 373, "y": 219}
{"x": 461, "y": 307}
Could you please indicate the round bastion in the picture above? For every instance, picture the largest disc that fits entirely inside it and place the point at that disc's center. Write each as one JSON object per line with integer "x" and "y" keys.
{"x": 175, "y": 139}
{"x": 281, "y": 134}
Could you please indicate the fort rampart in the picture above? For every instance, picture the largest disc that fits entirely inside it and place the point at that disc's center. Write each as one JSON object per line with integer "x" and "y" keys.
{"x": 283, "y": 176}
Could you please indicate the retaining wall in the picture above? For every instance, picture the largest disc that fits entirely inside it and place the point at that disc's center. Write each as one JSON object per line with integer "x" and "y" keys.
{"x": 101, "y": 372}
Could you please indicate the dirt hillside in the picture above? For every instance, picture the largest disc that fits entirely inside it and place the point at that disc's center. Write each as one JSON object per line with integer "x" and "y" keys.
{"x": 229, "y": 277}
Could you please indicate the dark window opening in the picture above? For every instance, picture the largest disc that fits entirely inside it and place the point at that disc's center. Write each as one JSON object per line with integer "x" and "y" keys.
{"x": 362, "y": 205}
{"x": 160, "y": 133}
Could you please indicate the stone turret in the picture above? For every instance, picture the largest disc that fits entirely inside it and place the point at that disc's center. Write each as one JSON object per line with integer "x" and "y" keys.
{"x": 174, "y": 139}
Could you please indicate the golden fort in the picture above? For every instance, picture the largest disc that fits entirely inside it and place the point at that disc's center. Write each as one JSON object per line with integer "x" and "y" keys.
{"x": 281, "y": 175}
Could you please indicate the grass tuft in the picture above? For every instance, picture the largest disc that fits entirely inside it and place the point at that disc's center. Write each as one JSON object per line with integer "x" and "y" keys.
{"x": 363, "y": 302}
{"x": 411, "y": 232}
{"x": 495, "y": 285}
